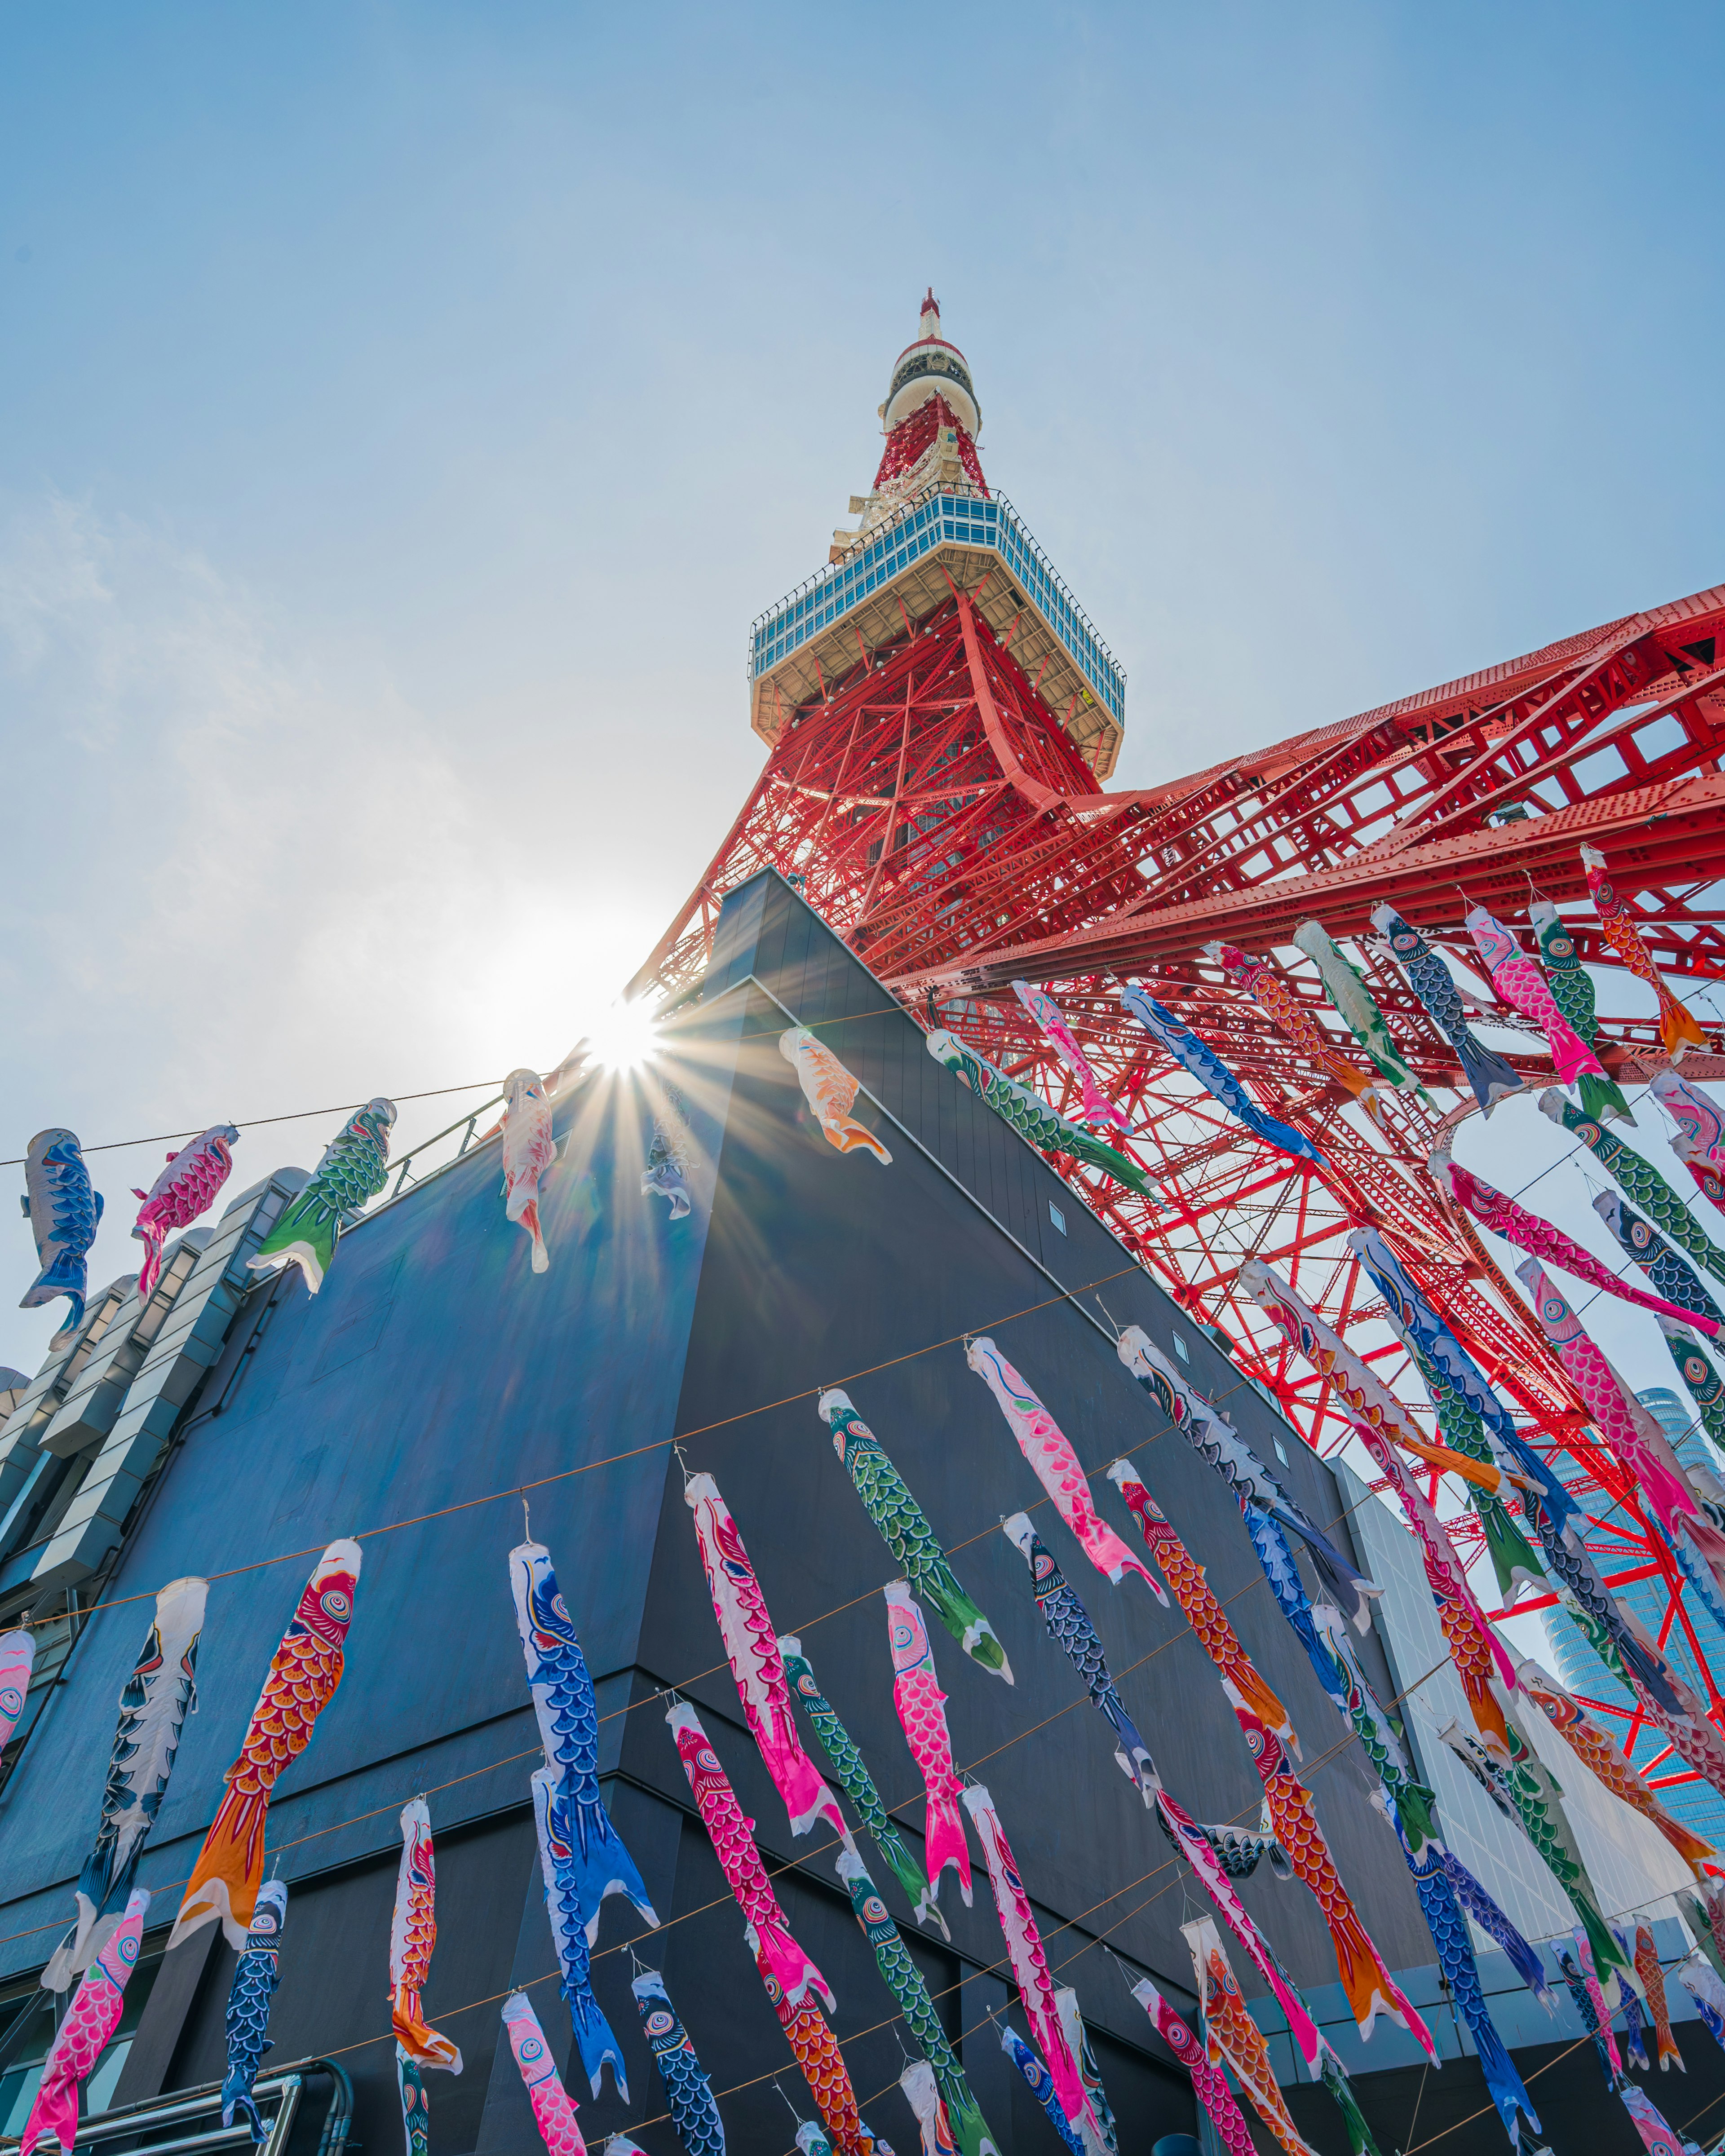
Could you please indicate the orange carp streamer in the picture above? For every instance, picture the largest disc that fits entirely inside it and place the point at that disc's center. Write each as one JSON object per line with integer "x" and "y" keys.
{"x": 303, "y": 1676}
{"x": 1365, "y": 1977}
{"x": 1235, "y": 2037}
{"x": 831, "y": 1090}
{"x": 1652, "y": 1976}
{"x": 1592, "y": 1746}
{"x": 1297, "y": 1019}
{"x": 816, "y": 2051}
{"x": 413, "y": 1933}
{"x": 1185, "y": 1576}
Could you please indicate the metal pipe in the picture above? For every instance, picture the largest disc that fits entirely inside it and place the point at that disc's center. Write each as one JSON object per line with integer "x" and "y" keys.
{"x": 150, "y": 2113}
{"x": 339, "y": 2118}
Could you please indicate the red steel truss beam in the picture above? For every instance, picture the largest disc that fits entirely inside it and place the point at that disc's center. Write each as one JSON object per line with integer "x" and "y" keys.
{"x": 1666, "y": 836}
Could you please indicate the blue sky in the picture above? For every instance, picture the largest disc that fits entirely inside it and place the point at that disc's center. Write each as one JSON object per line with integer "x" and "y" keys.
{"x": 406, "y": 410}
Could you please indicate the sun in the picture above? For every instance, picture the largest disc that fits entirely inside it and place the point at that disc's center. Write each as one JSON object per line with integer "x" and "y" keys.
{"x": 624, "y": 1035}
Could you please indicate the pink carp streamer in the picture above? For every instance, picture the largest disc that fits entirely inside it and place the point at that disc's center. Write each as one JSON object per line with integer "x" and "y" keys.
{"x": 529, "y": 1149}
{"x": 1050, "y": 1022}
{"x": 1029, "y": 1964}
{"x": 1678, "y": 1028}
{"x": 1235, "y": 2037}
{"x": 553, "y": 2107}
{"x": 188, "y": 1186}
{"x": 740, "y": 1860}
{"x": 1475, "y": 1648}
{"x": 18, "y": 1658}
{"x": 91, "y": 2019}
{"x": 1709, "y": 1175}
{"x": 1700, "y": 1142}
{"x": 1635, "y": 1441}
{"x": 1657, "y": 2137}
{"x": 1590, "y": 1978}
{"x": 1184, "y": 1832}
{"x": 1518, "y": 980}
{"x": 1492, "y": 1209}
{"x": 1207, "y": 2079}
{"x": 1056, "y": 1465}
{"x": 921, "y": 1711}
{"x": 756, "y": 1662}
{"x": 1689, "y": 1727}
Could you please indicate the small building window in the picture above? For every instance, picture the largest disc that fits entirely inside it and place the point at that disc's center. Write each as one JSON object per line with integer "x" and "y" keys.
{"x": 1281, "y": 1451}
{"x": 1180, "y": 1348}
{"x": 1057, "y": 1218}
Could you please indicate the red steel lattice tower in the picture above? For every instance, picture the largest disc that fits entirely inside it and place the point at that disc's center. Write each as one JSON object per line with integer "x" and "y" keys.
{"x": 940, "y": 717}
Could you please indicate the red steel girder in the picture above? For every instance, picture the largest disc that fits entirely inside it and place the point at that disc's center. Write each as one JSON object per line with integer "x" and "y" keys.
{"x": 931, "y": 807}
{"x": 1670, "y": 835}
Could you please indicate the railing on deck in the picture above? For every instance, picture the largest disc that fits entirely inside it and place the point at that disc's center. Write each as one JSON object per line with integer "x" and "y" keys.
{"x": 467, "y": 1125}
{"x": 569, "y": 1072}
{"x": 174, "y": 2116}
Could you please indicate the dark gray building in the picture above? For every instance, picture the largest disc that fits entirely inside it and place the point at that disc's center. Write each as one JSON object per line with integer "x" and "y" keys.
{"x": 237, "y": 1427}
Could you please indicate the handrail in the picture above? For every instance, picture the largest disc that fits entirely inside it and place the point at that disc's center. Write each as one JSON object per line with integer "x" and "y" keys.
{"x": 558, "y": 1081}
{"x": 832, "y": 573}
{"x": 402, "y": 1165}
{"x": 285, "y": 2084}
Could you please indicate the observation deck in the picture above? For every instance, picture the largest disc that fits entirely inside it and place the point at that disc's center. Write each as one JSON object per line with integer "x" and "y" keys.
{"x": 947, "y": 537}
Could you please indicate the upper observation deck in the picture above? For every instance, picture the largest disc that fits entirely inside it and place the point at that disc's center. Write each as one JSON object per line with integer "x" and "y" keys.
{"x": 953, "y": 536}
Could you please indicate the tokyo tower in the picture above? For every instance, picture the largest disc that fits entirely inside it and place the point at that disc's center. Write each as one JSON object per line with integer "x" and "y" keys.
{"x": 940, "y": 717}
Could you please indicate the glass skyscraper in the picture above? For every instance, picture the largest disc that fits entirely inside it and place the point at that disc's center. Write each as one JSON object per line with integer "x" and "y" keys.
{"x": 1677, "y": 1418}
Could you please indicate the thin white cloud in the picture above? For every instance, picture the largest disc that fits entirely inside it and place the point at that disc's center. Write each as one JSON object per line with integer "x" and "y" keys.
{"x": 244, "y": 876}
